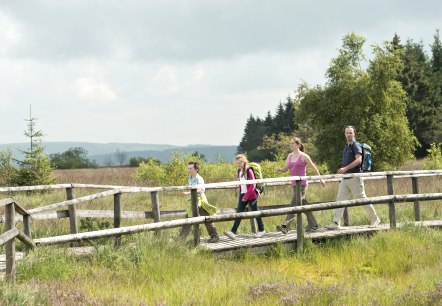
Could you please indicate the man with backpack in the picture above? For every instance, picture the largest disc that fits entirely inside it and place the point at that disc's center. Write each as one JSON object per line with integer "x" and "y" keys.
{"x": 352, "y": 159}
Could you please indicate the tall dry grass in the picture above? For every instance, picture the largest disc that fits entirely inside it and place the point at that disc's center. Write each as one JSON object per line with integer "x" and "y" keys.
{"x": 120, "y": 176}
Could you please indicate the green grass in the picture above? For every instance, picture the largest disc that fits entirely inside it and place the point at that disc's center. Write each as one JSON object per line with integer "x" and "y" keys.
{"x": 402, "y": 267}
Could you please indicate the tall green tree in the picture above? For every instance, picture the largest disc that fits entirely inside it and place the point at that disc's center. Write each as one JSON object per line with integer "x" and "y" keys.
{"x": 252, "y": 139}
{"x": 284, "y": 119}
{"x": 269, "y": 128}
{"x": 371, "y": 100}
{"x": 422, "y": 89}
{"x": 436, "y": 64}
{"x": 35, "y": 168}
{"x": 436, "y": 49}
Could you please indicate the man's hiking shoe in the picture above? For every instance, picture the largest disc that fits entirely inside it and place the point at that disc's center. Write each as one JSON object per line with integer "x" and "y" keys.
{"x": 230, "y": 234}
{"x": 283, "y": 228}
{"x": 333, "y": 226}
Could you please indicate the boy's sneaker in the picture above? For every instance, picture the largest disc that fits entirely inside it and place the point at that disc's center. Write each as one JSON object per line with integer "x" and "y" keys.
{"x": 260, "y": 234}
{"x": 312, "y": 229}
{"x": 375, "y": 223}
{"x": 230, "y": 234}
{"x": 283, "y": 228}
{"x": 333, "y": 226}
{"x": 213, "y": 239}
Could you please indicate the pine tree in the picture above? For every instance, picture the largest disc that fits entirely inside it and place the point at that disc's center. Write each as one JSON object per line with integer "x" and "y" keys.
{"x": 436, "y": 64}
{"x": 35, "y": 168}
{"x": 423, "y": 92}
{"x": 436, "y": 49}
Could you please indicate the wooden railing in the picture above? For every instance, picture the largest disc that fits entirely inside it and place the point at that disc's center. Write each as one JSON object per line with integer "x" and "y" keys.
{"x": 11, "y": 232}
{"x": 47, "y": 212}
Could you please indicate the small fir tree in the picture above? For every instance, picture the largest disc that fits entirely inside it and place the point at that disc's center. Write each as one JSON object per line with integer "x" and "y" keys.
{"x": 35, "y": 168}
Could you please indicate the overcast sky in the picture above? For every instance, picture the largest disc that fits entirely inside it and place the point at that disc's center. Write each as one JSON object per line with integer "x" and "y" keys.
{"x": 176, "y": 72}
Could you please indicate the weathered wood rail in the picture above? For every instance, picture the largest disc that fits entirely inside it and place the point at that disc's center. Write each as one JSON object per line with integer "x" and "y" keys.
{"x": 53, "y": 210}
{"x": 11, "y": 232}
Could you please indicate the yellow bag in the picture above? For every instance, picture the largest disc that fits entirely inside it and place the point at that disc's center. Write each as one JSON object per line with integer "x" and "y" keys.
{"x": 202, "y": 202}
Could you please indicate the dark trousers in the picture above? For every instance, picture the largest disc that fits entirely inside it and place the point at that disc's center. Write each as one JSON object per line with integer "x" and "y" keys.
{"x": 211, "y": 229}
{"x": 253, "y": 204}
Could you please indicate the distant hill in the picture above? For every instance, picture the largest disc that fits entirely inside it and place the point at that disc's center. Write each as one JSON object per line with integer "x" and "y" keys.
{"x": 103, "y": 153}
{"x": 211, "y": 153}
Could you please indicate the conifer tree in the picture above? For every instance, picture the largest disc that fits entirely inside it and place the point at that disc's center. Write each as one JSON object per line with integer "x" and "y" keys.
{"x": 35, "y": 168}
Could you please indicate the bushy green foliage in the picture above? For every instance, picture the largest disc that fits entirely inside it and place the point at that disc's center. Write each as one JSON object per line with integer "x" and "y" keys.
{"x": 218, "y": 172}
{"x": 73, "y": 158}
{"x": 7, "y": 168}
{"x": 150, "y": 172}
{"x": 35, "y": 169}
{"x": 175, "y": 173}
{"x": 277, "y": 145}
{"x": 169, "y": 174}
{"x": 176, "y": 168}
{"x": 136, "y": 161}
{"x": 434, "y": 159}
{"x": 89, "y": 224}
{"x": 372, "y": 101}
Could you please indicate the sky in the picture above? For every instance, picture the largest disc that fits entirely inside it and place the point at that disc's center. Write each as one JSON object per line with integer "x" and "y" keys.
{"x": 176, "y": 72}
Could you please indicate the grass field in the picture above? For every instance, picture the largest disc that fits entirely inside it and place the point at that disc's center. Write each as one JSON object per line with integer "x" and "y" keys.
{"x": 402, "y": 267}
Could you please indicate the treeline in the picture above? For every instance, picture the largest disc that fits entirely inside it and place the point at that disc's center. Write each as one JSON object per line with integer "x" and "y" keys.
{"x": 395, "y": 104}
{"x": 283, "y": 122}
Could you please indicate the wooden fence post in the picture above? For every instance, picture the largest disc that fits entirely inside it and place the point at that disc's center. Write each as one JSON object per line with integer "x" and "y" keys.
{"x": 10, "y": 245}
{"x": 155, "y": 208}
{"x": 27, "y": 225}
{"x": 252, "y": 221}
{"x": 391, "y": 204}
{"x": 117, "y": 216}
{"x": 417, "y": 209}
{"x": 195, "y": 213}
{"x": 346, "y": 217}
{"x": 72, "y": 211}
{"x": 299, "y": 229}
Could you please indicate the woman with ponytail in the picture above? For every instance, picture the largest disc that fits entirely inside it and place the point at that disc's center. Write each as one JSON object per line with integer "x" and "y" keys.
{"x": 297, "y": 163}
{"x": 247, "y": 196}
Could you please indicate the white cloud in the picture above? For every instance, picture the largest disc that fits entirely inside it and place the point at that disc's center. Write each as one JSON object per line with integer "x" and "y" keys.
{"x": 165, "y": 81}
{"x": 94, "y": 90}
{"x": 9, "y": 34}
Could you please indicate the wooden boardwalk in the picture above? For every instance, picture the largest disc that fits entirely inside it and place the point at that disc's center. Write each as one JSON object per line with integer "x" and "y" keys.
{"x": 18, "y": 256}
{"x": 227, "y": 246}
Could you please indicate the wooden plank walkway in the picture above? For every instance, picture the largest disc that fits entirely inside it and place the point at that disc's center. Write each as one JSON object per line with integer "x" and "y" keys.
{"x": 18, "y": 256}
{"x": 227, "y": 246}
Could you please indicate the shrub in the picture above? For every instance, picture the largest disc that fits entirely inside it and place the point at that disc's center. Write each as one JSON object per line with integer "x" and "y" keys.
{"x": 434, "y": 158}
{"x": 150, "y": 172}
{"x": 7, "y": 169}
